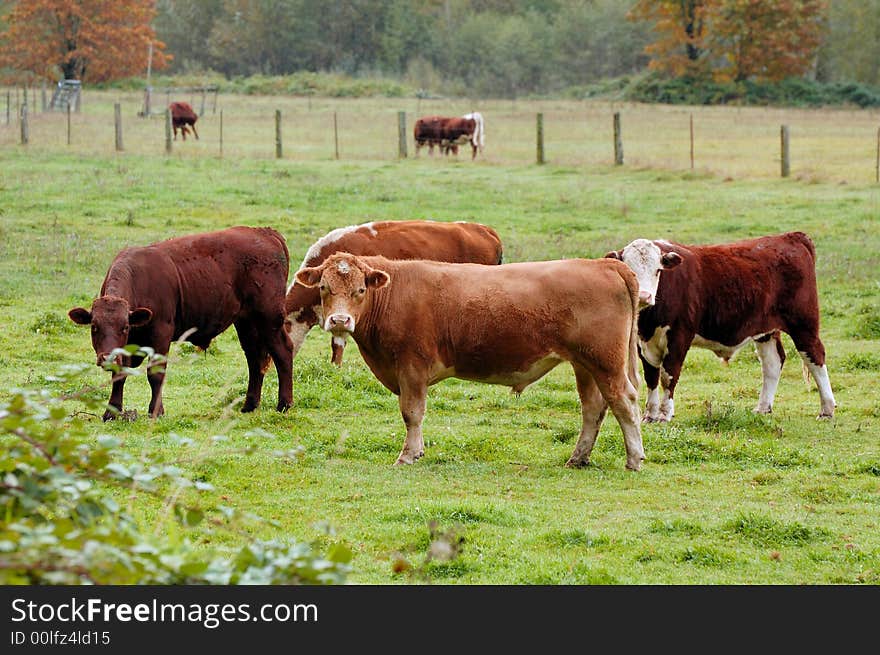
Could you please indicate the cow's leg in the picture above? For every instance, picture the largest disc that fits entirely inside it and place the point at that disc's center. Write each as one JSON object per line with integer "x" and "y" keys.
{"x": 593, "y": 408}
{"x": 652, "y": 404}
{"x": 281, "y": 351}
{"x": 196, "y": 134}
{"x": 623, "y": 399}
{"x": 772, "y": 357}
{"x": 676, "y": 350}
{"x": 115, "y": 403}
{"x": 337, "y": 346}
{"x": 413, "y": 398}
{"x": 175, "y": 132}
{"x": 156, "y": 378}
{"x": 812, "y": 351}
{"x": 257, "y": 360}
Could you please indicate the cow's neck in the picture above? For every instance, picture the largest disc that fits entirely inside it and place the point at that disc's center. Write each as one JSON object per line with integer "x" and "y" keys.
{"x": 119, "y": 282}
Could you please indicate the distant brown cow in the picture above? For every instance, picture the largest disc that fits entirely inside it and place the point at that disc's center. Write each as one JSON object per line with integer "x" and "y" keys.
{"x": 202, "y": 283}
{"x": 447, "y": 242}
{"x": 721, "y": 297}
{"x": 183, "y": 115}
{"x": 418, "y": 322}
{"x": 449, "y": 133}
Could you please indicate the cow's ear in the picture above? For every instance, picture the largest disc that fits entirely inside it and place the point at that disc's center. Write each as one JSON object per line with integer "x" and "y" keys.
{"x": 80, "y": 316}
{"x": 614, "y": 254}
{"x": 308, "y": 277}
{"x": 140, "y": 316}
{"x": 671, "y": 260}
{"x": 377, "y": 279}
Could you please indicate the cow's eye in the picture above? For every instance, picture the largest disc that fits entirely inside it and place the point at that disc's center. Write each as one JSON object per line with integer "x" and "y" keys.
{"x": 125, "y": 329}
{"x": 94, "y": 328}
{"x": 362, "y": 290}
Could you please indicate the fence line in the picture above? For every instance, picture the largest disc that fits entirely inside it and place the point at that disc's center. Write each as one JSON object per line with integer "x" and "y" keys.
{"x": 545, "y": 150}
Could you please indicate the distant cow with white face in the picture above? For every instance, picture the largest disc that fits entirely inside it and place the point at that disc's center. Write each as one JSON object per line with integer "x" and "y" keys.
{"x": 418, "y": 322}
{"x": 439, "y": 241}
{"x": 721, "y": 297}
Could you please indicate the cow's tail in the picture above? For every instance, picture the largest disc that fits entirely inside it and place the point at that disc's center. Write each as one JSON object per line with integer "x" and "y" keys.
{"x": 805, "y": 371}
{"x": 478, "y": 139}
{"x": 632, "y": 286}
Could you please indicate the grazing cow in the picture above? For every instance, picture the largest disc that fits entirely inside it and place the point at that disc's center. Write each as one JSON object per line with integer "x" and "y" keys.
{"x": 195, "y": 287}
{"x": 183, "y": 115}
{"x": 417, "y": 322}
{"x": 449, "y": 133}
{"x": 721, "y": 297}
{"x": 447, "y": 242}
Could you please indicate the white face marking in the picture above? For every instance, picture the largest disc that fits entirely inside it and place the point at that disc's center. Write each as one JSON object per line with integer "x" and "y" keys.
{"x": 644, "y": 258}
{"x": 343, "y": 268}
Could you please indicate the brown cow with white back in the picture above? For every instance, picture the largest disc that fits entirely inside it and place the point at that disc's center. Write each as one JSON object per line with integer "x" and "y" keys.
{"x": 195, "y": 287}
{"x": 418, "y": 322}
{"x": 721, "y": 297}
{"x": 446, "y": 242}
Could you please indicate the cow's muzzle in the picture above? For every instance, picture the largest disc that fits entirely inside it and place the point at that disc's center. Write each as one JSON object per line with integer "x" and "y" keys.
{"x": 104, "y": 358}
{"x": 340, "y": 323}
{"x": 646, "y": 299}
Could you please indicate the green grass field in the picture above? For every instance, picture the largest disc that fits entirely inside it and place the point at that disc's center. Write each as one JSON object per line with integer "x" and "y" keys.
{"x": 724, "y": 497}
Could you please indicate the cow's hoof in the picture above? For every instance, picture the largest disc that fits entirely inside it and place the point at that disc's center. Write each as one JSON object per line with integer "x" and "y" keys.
{"x": 284, "y": 406}
{"x": 110, "y": 415}
{"x": 824, "y": 416}
{"x": 577, "y": 463}
{"x": 763, "y": 410}
{"x": 401, "y": 461}
{"x": 655, "y": 419}
{"x": 248, "y": 406}
{"x": 637, "y": 466}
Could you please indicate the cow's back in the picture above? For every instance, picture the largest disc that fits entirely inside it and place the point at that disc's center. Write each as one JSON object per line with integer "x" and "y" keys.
{"x": 207, "y": 281}
{"x": 726, "y": 292}
{"x": 480, "y": 320}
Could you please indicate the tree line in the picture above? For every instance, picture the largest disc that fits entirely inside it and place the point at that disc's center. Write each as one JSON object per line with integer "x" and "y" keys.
{"x": 489, "y": 48}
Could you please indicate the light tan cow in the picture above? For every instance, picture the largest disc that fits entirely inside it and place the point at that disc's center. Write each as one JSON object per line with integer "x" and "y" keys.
{"x": 419, "y": 322}
{"x": 445, "y": 242}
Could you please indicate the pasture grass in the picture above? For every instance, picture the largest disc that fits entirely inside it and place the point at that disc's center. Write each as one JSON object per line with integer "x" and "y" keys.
{"x": 725, "y": 496}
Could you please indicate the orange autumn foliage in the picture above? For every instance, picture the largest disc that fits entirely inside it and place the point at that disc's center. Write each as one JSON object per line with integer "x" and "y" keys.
{"x": 88, "y": 40}
{"x": 733, "y": 39}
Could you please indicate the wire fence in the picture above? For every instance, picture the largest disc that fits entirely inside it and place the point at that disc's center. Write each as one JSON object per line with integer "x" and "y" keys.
{"x": 841, "y": 145}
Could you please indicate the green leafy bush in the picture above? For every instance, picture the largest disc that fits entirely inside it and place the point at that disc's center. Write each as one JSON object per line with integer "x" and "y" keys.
{"x": 60, "y": 522}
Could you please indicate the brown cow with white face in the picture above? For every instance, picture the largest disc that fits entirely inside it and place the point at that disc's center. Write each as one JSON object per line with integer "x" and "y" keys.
{"x": 196, "y": 286}
{"x": 445, "y": 242}
{"x": 721, "y": 297}
{"x": 419, "y": 322}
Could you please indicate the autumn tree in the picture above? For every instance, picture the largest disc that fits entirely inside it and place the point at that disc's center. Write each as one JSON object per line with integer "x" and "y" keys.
{"x": 681, "y": 27}
{"x": 766, "y": 41}
{"x": 82, "y": 39}
{"x": 734, "y": 39}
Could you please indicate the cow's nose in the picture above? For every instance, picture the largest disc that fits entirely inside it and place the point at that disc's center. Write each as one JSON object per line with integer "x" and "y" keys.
{"x": 102, "y": 357}
{"x": 340, "y": 321}
{"x": 646, "y": 298}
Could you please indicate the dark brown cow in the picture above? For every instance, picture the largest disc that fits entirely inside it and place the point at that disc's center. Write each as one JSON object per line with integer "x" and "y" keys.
{"x": 183, "y": 115}
{"x": 721, "y": 297}
{"x": 196, "y": 286}
{"x": 417, "y": 322}
{"x": 449, "y": 133}
{"x": 446, "y": 242}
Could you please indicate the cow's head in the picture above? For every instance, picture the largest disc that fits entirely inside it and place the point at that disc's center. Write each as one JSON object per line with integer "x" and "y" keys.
{"x": 647, "y": 260}
{"x": 344, "y": 281}
{"x": 111, "y": 319}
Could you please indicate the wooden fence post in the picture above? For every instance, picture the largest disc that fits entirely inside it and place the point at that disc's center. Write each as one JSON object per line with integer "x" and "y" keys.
{"x": 43, "y": 95}
{"x": 786, "y": 164}
{"x": 221, "y": 134}
{"x": 117, "y": 122}
{"x": 278, "y": 134}
{"x": 692, "y": 141}
{"x": 401, "y": 134}
{"x": 167, "y": 130}
{"x": 68, "y": 123}
{"x": 539, "y": 137}
{"x": 8, "y": 106}
{"x": 336, "y": 135}
{"x": 202, "y": 112}
{"x": 877, "y": 172}
{"x": 618, "y": 140}
{"x": 25, "y": 134}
